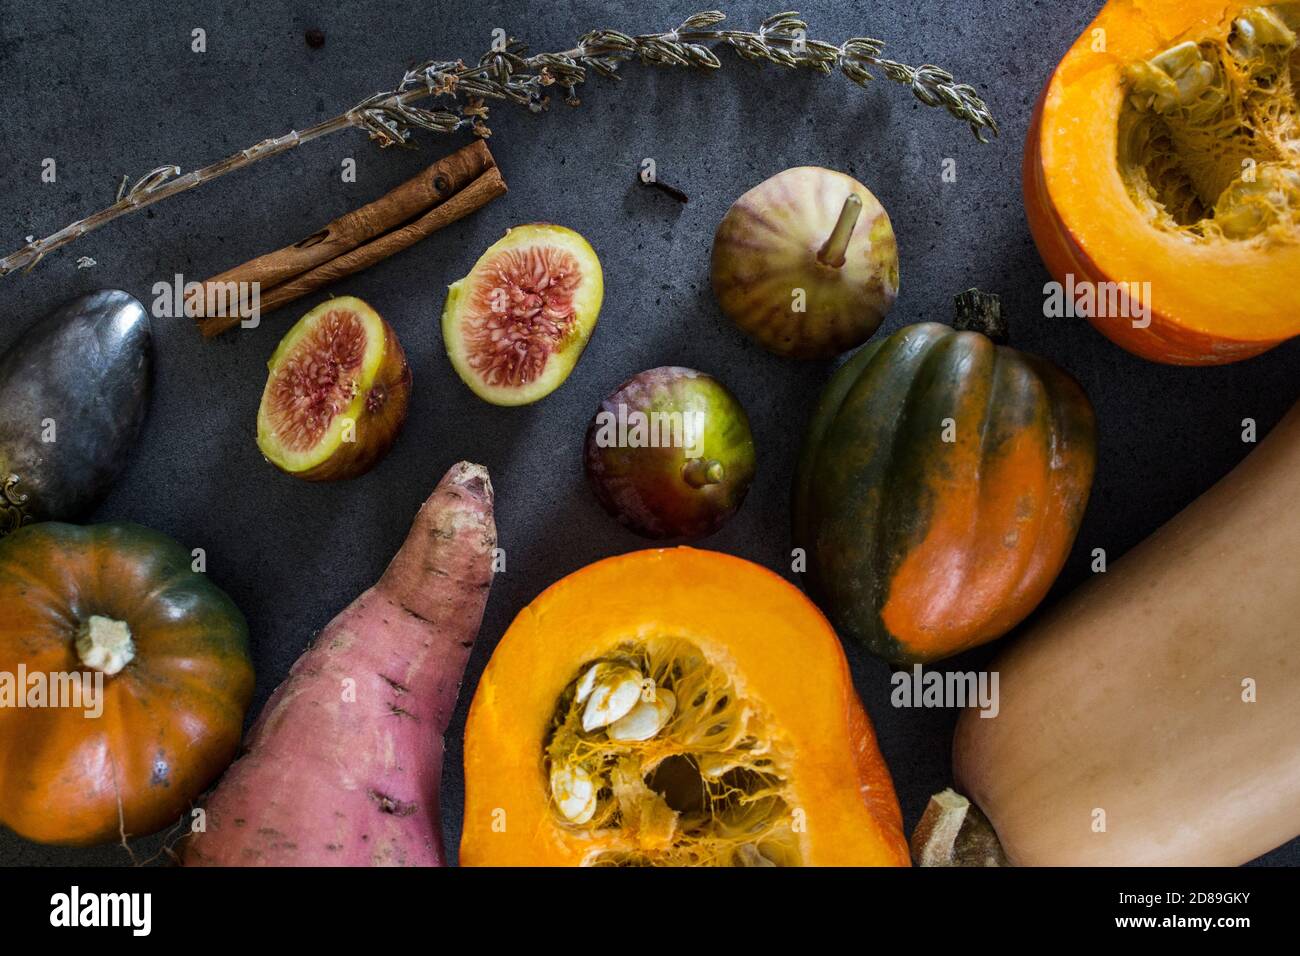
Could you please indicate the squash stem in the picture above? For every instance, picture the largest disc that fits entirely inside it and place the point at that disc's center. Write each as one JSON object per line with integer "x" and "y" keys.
{"x": 700, "y": 472}
{"x": 980, "y": 312}
{"x": 834, "y": 250}
{"x": 954, "y": 832}
{"x": 105, "y": 644}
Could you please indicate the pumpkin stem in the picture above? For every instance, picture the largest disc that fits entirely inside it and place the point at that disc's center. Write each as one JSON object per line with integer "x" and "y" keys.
{"x": 698, "y": 472}
{"x": 980, "y": 312}
{"x": 105, "y": 644}
{"x": 954, "y": 832}
{"x": 834, "y": 250}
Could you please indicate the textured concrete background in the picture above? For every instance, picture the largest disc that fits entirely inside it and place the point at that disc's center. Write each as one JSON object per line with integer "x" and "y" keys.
{"x": 113, "y": 89}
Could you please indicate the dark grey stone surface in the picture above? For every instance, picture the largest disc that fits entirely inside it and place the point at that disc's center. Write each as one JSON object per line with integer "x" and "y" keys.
{"x": 108, "y": 89}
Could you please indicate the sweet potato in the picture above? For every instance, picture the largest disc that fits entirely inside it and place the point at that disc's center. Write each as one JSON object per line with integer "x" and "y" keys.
{"x": 343, "y": 764}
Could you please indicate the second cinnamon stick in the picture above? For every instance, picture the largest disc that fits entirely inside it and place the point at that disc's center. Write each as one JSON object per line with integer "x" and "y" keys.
{"x": 426, "y": 189}
{"x": 451, "y": 188}
{"x": 481, "y": 191}
{"x": 477, "y": 194}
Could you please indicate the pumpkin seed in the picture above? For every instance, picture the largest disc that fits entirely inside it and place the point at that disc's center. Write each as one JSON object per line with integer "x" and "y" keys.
{"x": 615, "y": 692}
{"x": 749, "y": 855}
{"x": 588, "y": 681}
{"x": 686, "y": 776}
{"x": 645, "y": 719}
{"x": 574, "y": 793}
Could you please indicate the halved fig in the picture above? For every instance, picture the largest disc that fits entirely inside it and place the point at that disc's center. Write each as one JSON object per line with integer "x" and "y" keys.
{"x": 516, "y": 325}
{"x": 336, "y": 395}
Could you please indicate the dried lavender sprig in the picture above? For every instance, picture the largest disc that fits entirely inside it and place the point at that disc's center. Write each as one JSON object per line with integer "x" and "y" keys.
{"x": 511, "y": 74}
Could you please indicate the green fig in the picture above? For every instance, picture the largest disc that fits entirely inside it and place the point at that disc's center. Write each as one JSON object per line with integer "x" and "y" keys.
{"x": 670, "y": 453}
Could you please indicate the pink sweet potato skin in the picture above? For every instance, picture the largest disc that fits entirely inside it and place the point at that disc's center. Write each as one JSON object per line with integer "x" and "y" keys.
{"x": 343, "y": 764}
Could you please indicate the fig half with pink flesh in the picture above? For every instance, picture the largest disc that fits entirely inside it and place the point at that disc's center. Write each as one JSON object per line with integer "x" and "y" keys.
{"x": 670, "y": 453}
{"x": 806, "y": 263}
{"x": 336, "y": 395}
{"x": 516, "y": 325}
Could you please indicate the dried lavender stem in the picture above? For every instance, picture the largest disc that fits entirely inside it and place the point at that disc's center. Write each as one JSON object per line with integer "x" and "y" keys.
{"x": 139, "y": 198}
{"x": 511, "y": 75}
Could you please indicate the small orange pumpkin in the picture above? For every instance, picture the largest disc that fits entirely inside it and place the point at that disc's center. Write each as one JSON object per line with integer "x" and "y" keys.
{"x": 120, "y": 604}
{"x": 673, "y": 707}
{"x": 1162, "y": 163}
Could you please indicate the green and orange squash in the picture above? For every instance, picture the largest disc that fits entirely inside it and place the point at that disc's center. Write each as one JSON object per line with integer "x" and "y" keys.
{"x": 941, "y": 486}
{"x": 122, "y": 605}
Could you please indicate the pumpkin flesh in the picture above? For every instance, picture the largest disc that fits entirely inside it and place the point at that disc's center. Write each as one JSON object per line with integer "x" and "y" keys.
{"x": 1136, "y": 173}
{"x": 768, "y": 758}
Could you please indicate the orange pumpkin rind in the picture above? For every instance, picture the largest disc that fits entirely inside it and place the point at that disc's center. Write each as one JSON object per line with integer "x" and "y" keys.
{"x": 763, "y": 671}
{"x": 1158, "y": 163}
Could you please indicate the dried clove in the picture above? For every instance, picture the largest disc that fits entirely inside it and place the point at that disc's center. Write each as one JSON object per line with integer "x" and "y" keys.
{"x": 664, "y": 188}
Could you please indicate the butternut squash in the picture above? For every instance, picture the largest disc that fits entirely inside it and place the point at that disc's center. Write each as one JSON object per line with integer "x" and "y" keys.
{"x": 1153, "y": 718}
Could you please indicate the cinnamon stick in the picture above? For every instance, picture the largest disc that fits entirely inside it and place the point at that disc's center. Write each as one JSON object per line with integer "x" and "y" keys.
{"x": 477, "y": 194}
{"x": 446, "y": 191}
{"x": 427, "y": 188}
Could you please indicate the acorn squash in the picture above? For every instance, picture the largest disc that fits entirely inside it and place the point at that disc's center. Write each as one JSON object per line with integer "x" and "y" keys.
{"x": 941, "y": 485}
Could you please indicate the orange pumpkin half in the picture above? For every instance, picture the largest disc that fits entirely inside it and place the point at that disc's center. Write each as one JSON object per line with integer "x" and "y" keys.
{"x": 676, "y": 708}
{"x": 1162, "y": 177}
